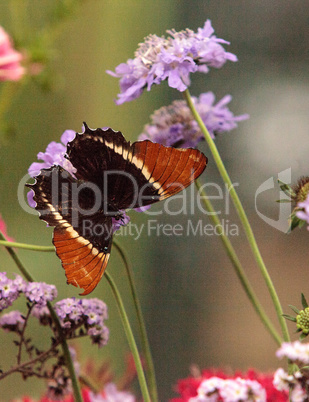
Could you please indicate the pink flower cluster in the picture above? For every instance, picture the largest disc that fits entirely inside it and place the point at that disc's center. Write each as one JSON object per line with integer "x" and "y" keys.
{"x": 10, "y": 67}
{"x": 229, "y": 390}
{"x": 215, "y": 385}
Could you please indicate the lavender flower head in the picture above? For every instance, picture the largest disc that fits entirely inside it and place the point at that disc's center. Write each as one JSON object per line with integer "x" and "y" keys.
{"x": 12, "y": 321}
{"x": 173, "y": 59}
{"x": 40, "y": 293}
{"x": 36, "y": 292}
{"x": 175, "y": 126}
{"x": 87, "y": 313}
{"x": 10, "y": 289}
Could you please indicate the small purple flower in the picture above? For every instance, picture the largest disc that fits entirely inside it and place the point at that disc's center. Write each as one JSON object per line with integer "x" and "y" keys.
{"x": 12, "y": 321}
{"x": 90, "y": 313}
{"x": 95, "y": 305}
{"x": 41, "y": 313}
{"x": 40, "y": 292}
{"x": 54, "y": 155}
{"x": 10, "y": 289}
{"x": 174, "y": 125}
{"x": 173, "y": 59}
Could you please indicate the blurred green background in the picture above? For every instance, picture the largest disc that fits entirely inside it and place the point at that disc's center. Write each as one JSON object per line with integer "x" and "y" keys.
{"x": 194, "y": 307}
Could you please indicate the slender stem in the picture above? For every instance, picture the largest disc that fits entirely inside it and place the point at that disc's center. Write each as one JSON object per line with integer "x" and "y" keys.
{"x": 238, "y": 267}
{"x": 22, "y": 335}
{"x": 130, "y": 338}
{"x": 67, "y": 355}
{"x": 25, "y": 246}
{"x": 150, "y": 372}
{"x": 65, "y": 348}
{"x": 20, "y": 367}
{"x": 242, "y": 215}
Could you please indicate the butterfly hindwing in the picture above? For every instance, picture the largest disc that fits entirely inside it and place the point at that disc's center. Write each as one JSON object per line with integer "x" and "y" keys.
{"x": 82, "y": 240}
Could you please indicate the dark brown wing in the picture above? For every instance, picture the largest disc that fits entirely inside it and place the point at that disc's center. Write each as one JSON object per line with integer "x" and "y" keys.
{"x": 136, "y": 175}
{"x": 82, "y": 240}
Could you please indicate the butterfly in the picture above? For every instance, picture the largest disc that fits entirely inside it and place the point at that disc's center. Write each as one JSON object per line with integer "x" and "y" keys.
{"x": 111, "y": 175}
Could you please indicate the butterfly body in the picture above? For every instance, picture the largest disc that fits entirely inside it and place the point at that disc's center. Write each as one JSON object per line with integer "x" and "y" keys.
{"x": 111, "y": 175}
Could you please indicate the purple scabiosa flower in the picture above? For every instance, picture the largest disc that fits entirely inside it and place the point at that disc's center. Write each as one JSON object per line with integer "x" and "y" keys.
{"x": 173, "y": 59}
{"x": 10, "y": 67}
{"x": 10, "y": 289}
{"x": 12, "y": 321}
{"x": 174, "y": 125}
{"x": 40, "y": 293}
{"x": 53, "y": 155}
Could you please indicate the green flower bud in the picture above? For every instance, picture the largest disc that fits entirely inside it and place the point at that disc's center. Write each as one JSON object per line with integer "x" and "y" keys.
{"x": 302, "y": 321}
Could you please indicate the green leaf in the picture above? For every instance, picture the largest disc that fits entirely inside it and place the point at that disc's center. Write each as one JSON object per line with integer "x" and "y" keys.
{"x": 284, "y": 200}
{"x": 289, "y": 317}
{"x": 304, "y": 301}
{"x": 302, "y": 336}
{"x": 295, "y": 222}
{"x": 295, "y": 309}
{"x": 286, "y": 189}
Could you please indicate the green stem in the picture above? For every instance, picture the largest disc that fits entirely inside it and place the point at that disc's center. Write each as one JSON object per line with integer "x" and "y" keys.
{"x": 65, "y": 348}
{"x": 130, "y": 338}
{"x": 242, "y": 215}
{"x": 67, "y": 355}
{"x": 25, "y": 246}
{"x": 238, "y": 267}
{"x": 150, "y": 372}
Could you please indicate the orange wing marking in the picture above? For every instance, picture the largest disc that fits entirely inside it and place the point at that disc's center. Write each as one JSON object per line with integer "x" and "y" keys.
{"x": 83, "y": 263}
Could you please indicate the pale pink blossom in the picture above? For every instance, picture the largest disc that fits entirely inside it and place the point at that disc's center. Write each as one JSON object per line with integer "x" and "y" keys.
{"x": 10, "y": 67}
